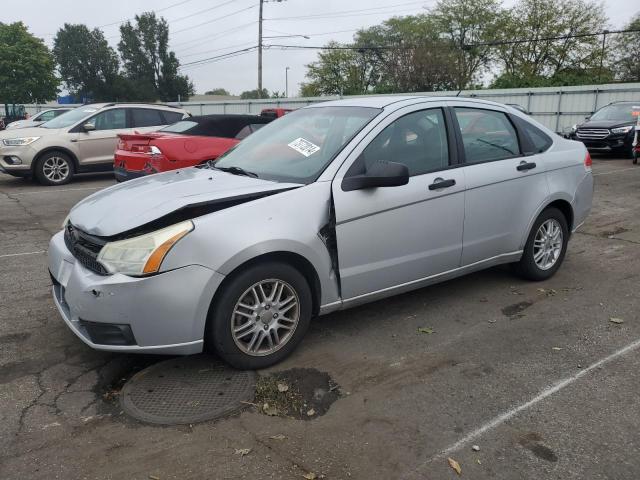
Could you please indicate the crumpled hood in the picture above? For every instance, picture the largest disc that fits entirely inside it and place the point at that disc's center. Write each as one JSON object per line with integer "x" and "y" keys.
{"x": 129, "y": 205}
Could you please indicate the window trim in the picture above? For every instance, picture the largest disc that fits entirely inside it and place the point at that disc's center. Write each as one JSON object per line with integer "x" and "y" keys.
{"x": 460, "y": 143}
{"x": 451, "y": 144}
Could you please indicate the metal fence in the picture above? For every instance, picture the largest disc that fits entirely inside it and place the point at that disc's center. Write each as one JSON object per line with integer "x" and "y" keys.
{"x": 556, "y": 107}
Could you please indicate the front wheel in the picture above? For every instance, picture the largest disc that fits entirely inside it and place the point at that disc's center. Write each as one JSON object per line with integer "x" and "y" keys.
{"x": 546, "y": 246}
{"x": 261, "y": 315}
{"x": 54, "y": 168}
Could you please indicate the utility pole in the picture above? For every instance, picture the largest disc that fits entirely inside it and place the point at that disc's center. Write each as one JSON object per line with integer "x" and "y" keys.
{"x": 260, "y": 51}
{"x": 604, "y": 42}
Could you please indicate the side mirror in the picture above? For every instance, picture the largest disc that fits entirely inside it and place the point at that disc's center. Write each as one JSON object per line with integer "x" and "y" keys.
{"x": 88, "y": 127}
{"x": 381, "y": 174}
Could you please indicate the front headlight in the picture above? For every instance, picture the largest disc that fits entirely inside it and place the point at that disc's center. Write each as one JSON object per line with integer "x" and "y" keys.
{"x": 17, "y": 142}
{"x": 66, "y": 220}
{"x": 144, "y": 254}
{"x": 622, "y": 129}
{"x": 574, "y": 127}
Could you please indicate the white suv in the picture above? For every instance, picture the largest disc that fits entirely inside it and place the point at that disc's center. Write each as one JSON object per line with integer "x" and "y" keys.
{"x": 81, "y": 140}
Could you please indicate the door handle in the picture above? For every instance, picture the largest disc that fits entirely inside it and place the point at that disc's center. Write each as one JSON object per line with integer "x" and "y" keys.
{"x": 442, "y": 183}
{"x": 526, "y": 166}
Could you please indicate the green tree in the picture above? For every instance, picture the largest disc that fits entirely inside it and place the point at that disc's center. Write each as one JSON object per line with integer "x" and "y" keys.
{"x": 217, "y": 91}
{"x": 27, "y": 68}
{"x": 86, "y": 62}
{"x": 626, "y": 52}
{"x": 464, "y": 24}
{"x": 545, "y": 59}
{"x": 147, "y": 61}
{"x": 251, "y": 94}
{"x": 336, "y": 72}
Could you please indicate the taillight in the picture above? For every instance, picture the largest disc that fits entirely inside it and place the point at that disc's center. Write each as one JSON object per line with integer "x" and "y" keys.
{"x": 121, "y": 145}
{"x": 140, "y": 148}
{"x": 587, "y": 162}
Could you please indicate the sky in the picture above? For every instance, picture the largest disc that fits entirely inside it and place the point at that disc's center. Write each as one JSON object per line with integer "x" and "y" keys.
{"x": 201, "y": 29}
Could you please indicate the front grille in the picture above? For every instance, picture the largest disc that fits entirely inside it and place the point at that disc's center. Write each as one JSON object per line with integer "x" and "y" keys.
{"x": 85, "y": 248}
{"x": 592, "y": 133}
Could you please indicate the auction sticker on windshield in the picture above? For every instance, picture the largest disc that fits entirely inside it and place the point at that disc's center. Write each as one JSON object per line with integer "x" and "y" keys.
{"x": 305, "y": 147}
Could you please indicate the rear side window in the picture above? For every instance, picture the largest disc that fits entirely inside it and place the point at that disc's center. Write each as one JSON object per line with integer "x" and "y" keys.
{"x": 172, "y": 117}
{"x": 143, "y": 117}
{"x": 487, "y": 135}
{"x": 538, "y": 141}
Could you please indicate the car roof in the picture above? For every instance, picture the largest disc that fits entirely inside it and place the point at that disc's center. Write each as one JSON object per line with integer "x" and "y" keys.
{"x": 221, "y": 125}
{"x": 160, "y": 106}
{"x": 384, "y": 101}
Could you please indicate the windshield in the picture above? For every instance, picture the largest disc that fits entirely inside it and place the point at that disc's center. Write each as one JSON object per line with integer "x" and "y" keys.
{"x": 297, "y": 147}
{"x": 69, "y": 118}
{"x": 622, "y": 113}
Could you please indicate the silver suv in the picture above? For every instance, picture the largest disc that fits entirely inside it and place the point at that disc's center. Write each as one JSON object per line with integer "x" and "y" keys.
{"x": 81, "y": 140}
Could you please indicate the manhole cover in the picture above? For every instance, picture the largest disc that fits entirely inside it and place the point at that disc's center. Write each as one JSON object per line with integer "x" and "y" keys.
{"x": 186, "y": 390}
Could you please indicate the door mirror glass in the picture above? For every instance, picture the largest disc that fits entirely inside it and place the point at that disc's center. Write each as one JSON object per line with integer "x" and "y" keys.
{"x": 380, "y": 174}
{"x": 88, "y": 127}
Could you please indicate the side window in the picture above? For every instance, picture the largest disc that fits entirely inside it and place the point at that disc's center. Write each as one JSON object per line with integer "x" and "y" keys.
{"x": 110, "y": 119}
{"x": 143, "y": 117}
{"x": 487, "y": 135}
{"x": 245, "y": 132}
{"x": 418, "y": 140}
{"x": 171, "y": 117}
{"x": 57, "y": 113}
{"x": 257, "y": 126}
{"x": 538, "y": 140}
{"x": 46, "y": 116}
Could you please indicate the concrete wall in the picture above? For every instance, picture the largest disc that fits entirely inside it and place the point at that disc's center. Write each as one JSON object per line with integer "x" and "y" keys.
{"x": 556, "y": 107}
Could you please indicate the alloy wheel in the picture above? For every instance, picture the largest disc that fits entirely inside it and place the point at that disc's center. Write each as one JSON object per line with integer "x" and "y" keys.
{"x": 265, "y": 317}
{"x": 55, "y": 169}
{"x": 547, "y": 245}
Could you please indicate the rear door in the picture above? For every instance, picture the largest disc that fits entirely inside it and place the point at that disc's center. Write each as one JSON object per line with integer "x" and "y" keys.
{"x": 145, "y": 120}
{"x": 390, "y": 236}
{"x": 505, "y": 182}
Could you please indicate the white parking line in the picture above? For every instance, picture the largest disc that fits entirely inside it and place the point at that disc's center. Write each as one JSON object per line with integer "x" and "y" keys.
{"x": 616, "y": 171}
{"x": 500, "y": 419}
{"x": 53, "y": 190}
{"x": 20, "y": 254}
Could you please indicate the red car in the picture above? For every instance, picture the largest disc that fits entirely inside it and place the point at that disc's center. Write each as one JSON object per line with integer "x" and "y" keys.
{"x": 189, "y": 142}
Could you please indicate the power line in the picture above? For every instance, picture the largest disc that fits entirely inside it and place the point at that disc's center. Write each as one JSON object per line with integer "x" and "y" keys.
{"x": 219, "y": 57}
{"x": 340, "y": 47}
{"x": 315, "y": 34}
{"x": 544, "y": 39}
{"x": 214, "y": 35}
{"x": 344, "y": 12}
{"x": 215, "y": 19}
{"x": 156, "y": 11}
{"x": 218, "y": 49}
{"x": 200, "y": 11}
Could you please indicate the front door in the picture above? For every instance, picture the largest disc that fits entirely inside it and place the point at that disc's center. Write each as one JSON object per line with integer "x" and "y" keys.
{"x": 390, "y": 236}
{"x": 98, "y": 146}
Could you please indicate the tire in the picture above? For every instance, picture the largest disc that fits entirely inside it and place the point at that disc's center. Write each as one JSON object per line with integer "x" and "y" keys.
{"x": 255, "y": 346}
{"x": 540, "y": 270}
{"x": 54, "y": 168}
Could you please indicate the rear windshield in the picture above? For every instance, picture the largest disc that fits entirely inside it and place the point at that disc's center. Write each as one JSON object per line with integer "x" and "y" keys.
{"x": 214, "y": 126}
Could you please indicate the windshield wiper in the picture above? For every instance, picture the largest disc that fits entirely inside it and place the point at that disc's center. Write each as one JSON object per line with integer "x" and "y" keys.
{"x": 495, "y": 145}
{"x": 237, "y": 171}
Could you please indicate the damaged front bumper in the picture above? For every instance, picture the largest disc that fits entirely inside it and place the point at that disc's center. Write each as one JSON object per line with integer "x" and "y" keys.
{"x": 164, "y": 313}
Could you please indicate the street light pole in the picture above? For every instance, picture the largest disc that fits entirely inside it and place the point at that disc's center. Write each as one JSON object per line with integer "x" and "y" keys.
{"x": 286, "y": 82}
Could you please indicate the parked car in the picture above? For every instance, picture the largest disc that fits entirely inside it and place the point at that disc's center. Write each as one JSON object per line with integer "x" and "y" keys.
{"x": 38, "y": 119}
{"x": 80, "y": 140}
{"x": 609, "y": 130}
{"x": 275, "y": 112}
{"x": 187, "y": 143}
{"x": 334, "y": 205}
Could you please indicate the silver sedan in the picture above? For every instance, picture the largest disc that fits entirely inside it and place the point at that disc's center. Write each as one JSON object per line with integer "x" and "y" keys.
{"x": 331, "y": 206}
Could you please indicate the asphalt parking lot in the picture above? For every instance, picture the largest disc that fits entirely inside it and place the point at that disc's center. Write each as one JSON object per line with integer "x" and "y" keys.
{"x": 534, "y": 374}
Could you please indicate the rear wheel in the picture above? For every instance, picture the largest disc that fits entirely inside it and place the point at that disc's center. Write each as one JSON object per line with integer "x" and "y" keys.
{"x": 261, "y": 315}
{"x": 54, "y": 168}
{"x": 546, "y": 246}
